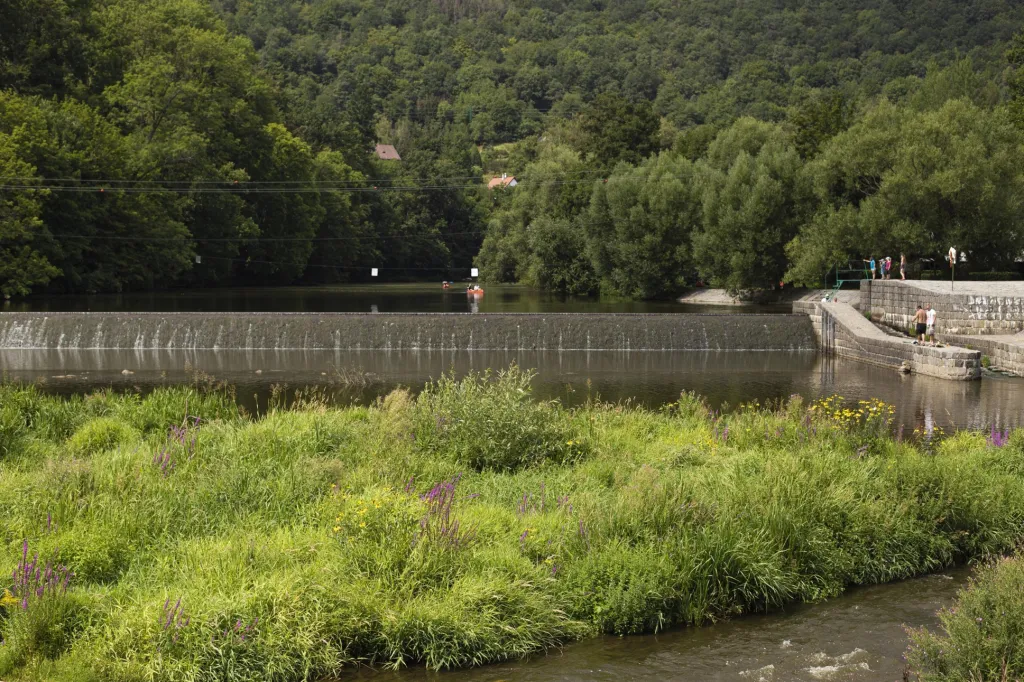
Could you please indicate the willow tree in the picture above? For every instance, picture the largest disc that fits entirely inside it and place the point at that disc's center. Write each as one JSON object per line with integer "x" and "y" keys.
{"x": 916, "y": 182}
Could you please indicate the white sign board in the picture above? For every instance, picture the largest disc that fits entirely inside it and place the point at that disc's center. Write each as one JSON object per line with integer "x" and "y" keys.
{"x": 199, "y": 259}
{"x": 373, "y": 272}
{"x": 473, "y": 272}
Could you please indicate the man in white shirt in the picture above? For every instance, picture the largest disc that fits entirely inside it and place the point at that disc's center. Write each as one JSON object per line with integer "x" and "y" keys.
{"x": 930, "y": 317}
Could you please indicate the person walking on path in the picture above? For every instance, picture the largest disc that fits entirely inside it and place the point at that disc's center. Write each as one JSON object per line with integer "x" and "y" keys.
{"x": 903, "y": 266}
{"x": 871, "y": 265}
{"x": 920, "y": 320}
{"x": 930, "y": 322}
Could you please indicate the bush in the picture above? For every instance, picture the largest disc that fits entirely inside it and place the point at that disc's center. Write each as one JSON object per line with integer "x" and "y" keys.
{"x": 491, "y": 422}
{"x": 12, "y": 426}
{"x": 102, "y": 433}
{"x": 983, "y": 631}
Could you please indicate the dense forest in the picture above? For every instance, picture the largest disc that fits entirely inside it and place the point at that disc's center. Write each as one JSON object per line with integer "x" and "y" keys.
{"x": 160, "y": 143}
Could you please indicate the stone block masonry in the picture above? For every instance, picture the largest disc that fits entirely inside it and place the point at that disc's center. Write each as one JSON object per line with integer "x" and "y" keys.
{"x": 987, "y": 316}
{"x": 970, "y": 308}
{"x": 406, "y": 331}
{"x": 1004, "y": 351}
{"x": 844, "y": 331}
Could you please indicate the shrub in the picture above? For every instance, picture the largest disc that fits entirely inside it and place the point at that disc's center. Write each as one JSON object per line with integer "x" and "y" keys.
{"x": 491, "y": 422}
{"x": 983, "y": 631}
{"x": 12, "y": 426}
{"x": 102, "y": 433}
{"x": 41, "y": 618}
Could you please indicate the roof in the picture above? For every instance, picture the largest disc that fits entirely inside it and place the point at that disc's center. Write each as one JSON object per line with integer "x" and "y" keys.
{"x": 503, "y": 181}
{"x": 387, "y": 152}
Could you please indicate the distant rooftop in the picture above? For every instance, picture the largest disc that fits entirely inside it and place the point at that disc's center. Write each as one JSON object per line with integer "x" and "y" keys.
{"x": 387, "y": 152}
{"x": 503, "y": 181}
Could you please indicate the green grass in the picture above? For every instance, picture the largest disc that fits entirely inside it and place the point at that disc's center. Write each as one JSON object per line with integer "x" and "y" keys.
{"x": 300, "y": 544}
{"x": 983, "y": 632}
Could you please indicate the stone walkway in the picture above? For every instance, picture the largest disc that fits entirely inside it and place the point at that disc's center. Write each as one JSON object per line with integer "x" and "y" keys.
{"x": 858, "y": 338}
{"x": 1008, "y": 289}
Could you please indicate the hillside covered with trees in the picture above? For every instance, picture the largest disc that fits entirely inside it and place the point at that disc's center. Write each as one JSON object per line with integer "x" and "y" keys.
{"x": 148, "y": 143}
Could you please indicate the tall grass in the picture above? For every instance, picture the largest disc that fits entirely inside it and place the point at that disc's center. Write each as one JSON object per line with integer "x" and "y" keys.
{"x": 983, "y": 632}
{"x": 467, "y": 525}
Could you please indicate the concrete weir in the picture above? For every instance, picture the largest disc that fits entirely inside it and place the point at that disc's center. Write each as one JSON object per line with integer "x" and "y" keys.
{"x": 406, "y": 331}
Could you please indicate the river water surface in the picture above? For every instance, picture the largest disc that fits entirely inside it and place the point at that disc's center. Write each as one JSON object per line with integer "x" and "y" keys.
{"x": 650, "y": 378}
{"x": 856, "y": 637}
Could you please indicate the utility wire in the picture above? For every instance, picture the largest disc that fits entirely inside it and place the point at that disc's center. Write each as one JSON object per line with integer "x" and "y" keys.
{"x": 101, "y": 189}
{"x": 258, "y": 238}
{"x": 244, "y": 185}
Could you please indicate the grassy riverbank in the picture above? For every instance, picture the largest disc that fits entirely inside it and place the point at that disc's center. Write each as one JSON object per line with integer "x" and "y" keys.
{"x": 982, "y": 634}
{"x": 464, "y": 526}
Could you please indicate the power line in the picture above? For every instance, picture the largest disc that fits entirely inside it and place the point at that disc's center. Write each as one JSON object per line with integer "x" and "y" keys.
{"x": 244, "y": 185}
{"x": 248, "y": 261}
{"x": 257, "y": 238}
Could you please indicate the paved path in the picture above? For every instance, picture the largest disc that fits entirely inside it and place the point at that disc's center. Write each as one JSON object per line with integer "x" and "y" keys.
{"x": 1010, "y": 289}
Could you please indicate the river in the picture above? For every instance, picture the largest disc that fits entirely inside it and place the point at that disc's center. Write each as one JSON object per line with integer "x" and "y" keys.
{"x": 649, "y": 378}
{"x": 856, "y": 637}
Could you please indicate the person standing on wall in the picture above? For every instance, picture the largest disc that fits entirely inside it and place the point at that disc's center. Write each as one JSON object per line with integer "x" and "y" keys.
{"x": 903, "y": 266}
{"x": 871, "y": 265}
{"x": 920, "y": 320}
{"x": 930, "y": 322}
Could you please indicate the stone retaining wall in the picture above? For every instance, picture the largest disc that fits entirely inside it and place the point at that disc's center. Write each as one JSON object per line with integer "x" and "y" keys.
{"x": 1005, "y": 352}
{"x": 844, "y": 331}
{"x": 401, "y": 331}
{"x": 970, "y": 308}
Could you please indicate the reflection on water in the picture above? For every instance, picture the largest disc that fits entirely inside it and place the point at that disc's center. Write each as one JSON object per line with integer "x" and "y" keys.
{"x": 647, "y": 378}
{"x": 858, "y": 636}
{"x": 382, "y": 298}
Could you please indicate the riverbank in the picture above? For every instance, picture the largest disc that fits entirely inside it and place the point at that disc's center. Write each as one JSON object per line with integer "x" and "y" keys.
{"x": 465, "y": 526}
{"x": 782, "y": 298}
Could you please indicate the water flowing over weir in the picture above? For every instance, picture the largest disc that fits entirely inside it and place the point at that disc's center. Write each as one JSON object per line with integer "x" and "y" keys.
{"x": 405, "y": 331}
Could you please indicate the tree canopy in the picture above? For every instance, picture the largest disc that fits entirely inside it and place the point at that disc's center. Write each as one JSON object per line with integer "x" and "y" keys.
{"x": 154, "y": 143}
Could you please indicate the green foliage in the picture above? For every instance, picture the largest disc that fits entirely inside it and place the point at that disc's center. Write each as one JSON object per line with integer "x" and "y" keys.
{"x": 752, "y": 205}
{"x": 614, "y": 129}
{"x": 101, "y": 433}
{"x": 492, "y": 423}
{"x": 319, "y": 522}
{"x": 640, "y": 224}
{"x": 904, "y": 181}
{"x": 819, "y": 119}
{"x": 241, "y": 134}
{"x": 536, "y": 236}
{"x": 44, "y": 631}
{"x": 982, "y": 631}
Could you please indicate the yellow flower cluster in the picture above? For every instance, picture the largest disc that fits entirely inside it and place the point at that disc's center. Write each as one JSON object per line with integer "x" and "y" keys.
{"x": 353, "y": 516}
{"x": 871, "y": 412}
{"x": 8, "y": 599}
